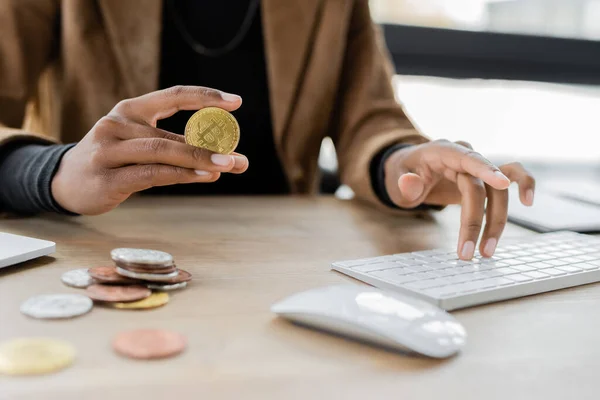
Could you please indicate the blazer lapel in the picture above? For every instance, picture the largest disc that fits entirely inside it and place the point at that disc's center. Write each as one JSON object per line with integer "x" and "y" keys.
{"x": 289, "y": 32}
{"x": 134, "y": 29}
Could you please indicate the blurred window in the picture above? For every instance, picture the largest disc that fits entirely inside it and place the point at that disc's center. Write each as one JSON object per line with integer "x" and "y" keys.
{"x": 579, "y": 19}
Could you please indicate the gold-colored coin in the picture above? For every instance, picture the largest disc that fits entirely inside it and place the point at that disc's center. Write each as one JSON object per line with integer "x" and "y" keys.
{"x": 214, "y": 129}
{"x": 31, "y": 356}
{"x": 153, "y": 301}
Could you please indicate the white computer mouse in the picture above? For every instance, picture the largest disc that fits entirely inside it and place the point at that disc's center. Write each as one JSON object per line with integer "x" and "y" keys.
{"x": 381, "y": 317}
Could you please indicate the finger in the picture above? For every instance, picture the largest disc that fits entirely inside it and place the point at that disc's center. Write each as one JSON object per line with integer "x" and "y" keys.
{"x": 464, "y": 160}
{"x": 411, "y": 189}
{"x": 496, "y": 215}
{"x": 161, "y": 104}
{"x": 471, "y": 219}
{"x": 517, "y": 173}
{"x": 136, "y": 178}
{"x": 169, "y": 152}
{"x": 123, "y": 128}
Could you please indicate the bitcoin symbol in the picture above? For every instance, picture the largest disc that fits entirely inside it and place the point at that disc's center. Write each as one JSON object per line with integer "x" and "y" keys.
{"x": 207, "y": 132}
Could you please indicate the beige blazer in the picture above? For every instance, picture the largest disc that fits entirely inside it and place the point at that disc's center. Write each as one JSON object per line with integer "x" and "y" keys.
{"x": 64, "y": 64}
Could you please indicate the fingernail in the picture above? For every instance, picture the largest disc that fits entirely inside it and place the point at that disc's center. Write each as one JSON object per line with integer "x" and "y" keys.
{"x": 500, "y": 175}
{"x": 468, "y": 250}
{"x": 221, "y": 159}
{"x": 490, "y": 247}
{"x": 232, "y": 98}
{"x": 240, "y": 161}
{"x": 201, "y": 173}
{"x": 529, "y": 197}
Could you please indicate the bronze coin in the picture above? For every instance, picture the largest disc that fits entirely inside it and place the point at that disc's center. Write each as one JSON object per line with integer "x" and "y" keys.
{"x": 147, "y": 344}
{"x": 183, "y": 276}
{"x": 111, "y": 294}
{"x": 109, "y": 275}
{"x": 142, "y": 268}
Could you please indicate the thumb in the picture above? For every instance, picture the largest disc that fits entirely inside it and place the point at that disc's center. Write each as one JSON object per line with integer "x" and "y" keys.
{"x": 411, "y": 187}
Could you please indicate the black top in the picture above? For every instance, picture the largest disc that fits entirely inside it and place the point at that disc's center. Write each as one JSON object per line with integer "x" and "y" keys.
{"x": 242, "y": 71}
{"x": 26, "y": 170}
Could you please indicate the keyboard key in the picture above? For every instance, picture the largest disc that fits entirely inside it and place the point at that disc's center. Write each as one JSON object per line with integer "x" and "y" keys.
{"x": 423, "y": 275}
{"x": 586, "y": 257}
{"x": 493, "y": 282}
{"x": 529, "y": 259}
{"x": 507, "y": 271}
{"x": 519, "y": 278}
{"x": 389, "y": 276}
{"x": 536, "y": 275}
{"x": 586, "y": 266}
{"x": 465, "y": 287}
{"x": 558, "y": 262}
{"x": 486, "y": 260}
{"x": 512, "y": 262}
{"x": 441, "y": 273}
{"x": 434, "y": 266}
{"x": 557, "y": 254}
{"x": 455, "y": 279}
{"x": 480, "y": 284}
{"x": 553, "y": 271}
{"x": 479, "y": 275}
{"x": 523, "y": 268}
{"x": 501, "y": 281}
{"x": 569, "y": 268}
{"x": 418, "y": 268}
{"x": 511, "y": 247}
{"x": 539, "y": 265}
{"x": 492, "y": 273}
{"x": 575, "y": 260}
{"x": 426, "y": 284}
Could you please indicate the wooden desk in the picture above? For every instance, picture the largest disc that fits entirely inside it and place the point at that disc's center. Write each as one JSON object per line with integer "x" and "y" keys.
{"x": 247, "y": 253}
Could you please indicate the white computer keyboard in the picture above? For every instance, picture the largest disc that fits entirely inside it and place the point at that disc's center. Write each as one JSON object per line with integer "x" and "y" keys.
{"x": 522, "y": 267}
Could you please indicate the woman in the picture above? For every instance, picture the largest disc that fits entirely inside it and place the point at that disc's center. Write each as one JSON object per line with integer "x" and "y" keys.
{"x": 112, "y": 75}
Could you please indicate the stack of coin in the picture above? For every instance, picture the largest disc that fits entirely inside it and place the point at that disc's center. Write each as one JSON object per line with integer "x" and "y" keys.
{"x": 157, "y": 268}
{"x": 131, "y": 282}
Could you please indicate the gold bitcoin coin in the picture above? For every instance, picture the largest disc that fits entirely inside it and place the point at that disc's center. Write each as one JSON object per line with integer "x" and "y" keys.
{"x": 31, "y": 356}
{"x": 153, "y": 301}
{"x": 214, "y": 129}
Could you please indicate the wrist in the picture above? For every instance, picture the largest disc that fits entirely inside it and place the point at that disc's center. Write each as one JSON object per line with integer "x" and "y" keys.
{"x": 59, "y": 188}
{"x": 380, "y": 171}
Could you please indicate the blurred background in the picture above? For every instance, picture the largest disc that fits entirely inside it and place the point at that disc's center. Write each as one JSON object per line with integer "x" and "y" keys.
{"x": 519, "y": 79}
{"x": 577, "y": 19}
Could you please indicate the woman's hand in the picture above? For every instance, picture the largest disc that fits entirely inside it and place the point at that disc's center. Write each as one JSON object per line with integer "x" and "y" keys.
{"x": 442, "y": 172}
{"x": 125, "y": 153}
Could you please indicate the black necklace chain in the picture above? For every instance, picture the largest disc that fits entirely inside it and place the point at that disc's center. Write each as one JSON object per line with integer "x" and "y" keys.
{"x": 214, "y": 52}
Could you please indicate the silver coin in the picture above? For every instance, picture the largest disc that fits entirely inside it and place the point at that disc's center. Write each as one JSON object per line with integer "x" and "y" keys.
{"x": 56, "y": 306}
{"x": 78, "y": 278}
{"x": 141, "y": 256}
{"x": 145, "y": 276}
{"x": 166, "y": 288}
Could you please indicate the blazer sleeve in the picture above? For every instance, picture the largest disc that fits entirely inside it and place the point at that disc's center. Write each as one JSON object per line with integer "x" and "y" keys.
{"x": 369, "y": 119}
{"x": 28, "y": 41}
